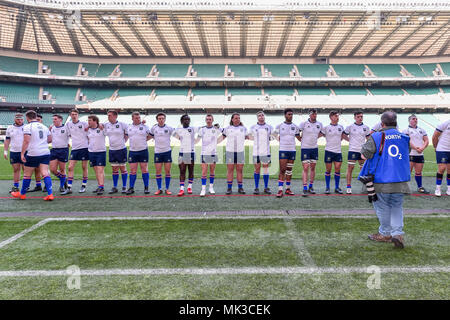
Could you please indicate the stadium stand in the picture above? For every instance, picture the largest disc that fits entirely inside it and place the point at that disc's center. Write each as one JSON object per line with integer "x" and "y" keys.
{"x": 422, "y": 91}
{"x": 126, "y": 92}
{"x": 385, "y": 70}
{"x": 105, "y": 70}
{"x": 313, "y": 70}
{"x": 11, "y": 64}
{"x": 172, "y": 70}
{"x": 21, "y": 93}
{"x": 208, "y": 91}
{"x": 171, "y": 91}
{"x": 349, "y": 70}
{"x": 274, "y": 91}
{"x": 446, "y": 68}
{"x": 246, "y": 70}
{"x": 428, "y": 68}
{"x": 90, "y": 68}
{"x": 209, "y": 70}
{"x": 313, "y": 91}
{"x": 244, "y": 91}
{"x": 386, "y": 91}
{"x": 62, "y": 94}
{"x": 135, "y": 70}
{"x": 6, "y": 117}
{"x": 350, "y": 91}
{"x": 414, "y": 69}
{"x": 62, "y": 68}
{"x": 279, "y": 70}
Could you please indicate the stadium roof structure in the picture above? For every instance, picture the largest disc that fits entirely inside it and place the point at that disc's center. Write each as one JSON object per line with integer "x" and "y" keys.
{"x": 227, "y": 28}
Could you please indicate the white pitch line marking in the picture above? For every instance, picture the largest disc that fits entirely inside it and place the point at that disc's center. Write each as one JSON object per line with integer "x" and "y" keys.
{"x": 24, "y": 232}
{"x": 426, "y": 216}
{"x": 225, "y": 271}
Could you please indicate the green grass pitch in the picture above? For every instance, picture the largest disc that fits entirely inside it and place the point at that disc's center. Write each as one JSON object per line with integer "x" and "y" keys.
{"x": 202, "y": 243}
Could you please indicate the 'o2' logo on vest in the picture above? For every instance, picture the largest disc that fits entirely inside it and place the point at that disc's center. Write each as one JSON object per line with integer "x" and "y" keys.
{"x": 394, "y": 152}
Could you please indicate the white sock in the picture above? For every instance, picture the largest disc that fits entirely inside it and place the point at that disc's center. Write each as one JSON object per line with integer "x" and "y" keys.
{"x": 211, "y": 185}
{"x": 182, "y": 188}
{"x": 203, "y": 187}
{"x": 190, "y": 185}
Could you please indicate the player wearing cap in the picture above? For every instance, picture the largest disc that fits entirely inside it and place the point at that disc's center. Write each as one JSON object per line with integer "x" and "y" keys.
{"x": 186, "y": 157}
{"x": 286, "y": 132}
{"x": 209, "y": 135}
{"x": 333, "y": 133}
{"x": 138, "y": 135}
{"x": 441, "y": 142}
{"x": 356, "y": 134}
{"x": 78, "y": 133}
{"x": 97, "y": 151}
{"x": 261, "y": 133}
{"x": 310, "y": 130}
{"x": 418, "y": 142}
{"x": 13, "y": 142}
{"x": 59, "y": 154}
{"x": 117, "y": 133}
{"x": 163, "y": 152}
{"x": 35, "y": 154}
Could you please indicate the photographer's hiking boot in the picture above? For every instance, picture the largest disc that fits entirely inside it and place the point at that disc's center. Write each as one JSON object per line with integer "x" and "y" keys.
{"x": 378, "y": 237}
{"x": 398, "y": 241}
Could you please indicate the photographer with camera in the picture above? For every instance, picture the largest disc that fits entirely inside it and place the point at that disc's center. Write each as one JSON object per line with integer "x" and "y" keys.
{"x": 386, "y": 174}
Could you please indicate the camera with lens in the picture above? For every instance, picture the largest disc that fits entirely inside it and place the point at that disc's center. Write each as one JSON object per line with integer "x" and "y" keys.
{"x": 368, "y": 181}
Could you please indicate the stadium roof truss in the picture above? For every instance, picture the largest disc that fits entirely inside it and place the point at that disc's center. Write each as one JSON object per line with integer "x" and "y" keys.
{"x": 196, "y": 33}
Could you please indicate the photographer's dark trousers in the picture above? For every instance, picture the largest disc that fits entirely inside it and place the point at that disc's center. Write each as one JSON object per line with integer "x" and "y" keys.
{"x": 389, "y": 210}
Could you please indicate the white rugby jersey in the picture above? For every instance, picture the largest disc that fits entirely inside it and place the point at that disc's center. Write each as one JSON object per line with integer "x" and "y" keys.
{"x": 444, "y": 138}
{"x": 116, "y": 133}
{"x": 96, "y": 139}
{"x": 261, "y": 139}
{"x": 416, "y": 138}
{"x": 235, "y": 138}
{"x": 162, "y": 137}
{"x": 38, "y": 143}
{"x": 60, "y": 137}
{"x": 209, "y": 137}
{"x": 187, "y": 139}
{"x": 78, "y": 134}
{"x": 357, "y": 134}
{"x": 333, "y": 135}
{"x": 15, "y": 135}
{"x": 137, "y": 136}
{"x": 287, "y": 132}
{"x": 310, "y": 133}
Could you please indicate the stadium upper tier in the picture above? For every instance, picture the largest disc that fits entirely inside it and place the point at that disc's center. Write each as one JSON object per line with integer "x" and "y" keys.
{"x": 161, "y": 71}
{"x": 226, "y": 28}
{"x": 203, "y": 97}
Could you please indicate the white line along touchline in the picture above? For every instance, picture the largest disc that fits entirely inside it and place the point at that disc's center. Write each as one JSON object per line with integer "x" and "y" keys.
{"x": 24, "y": 232}
{"x": 225, "y": 271}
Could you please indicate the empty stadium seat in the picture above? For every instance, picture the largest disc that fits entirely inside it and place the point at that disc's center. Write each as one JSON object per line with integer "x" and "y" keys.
{"x": 209, "y": 70}
{"x": 244, "y": 91}
{"x": 6, "y": 117}
{"x": 313, "y": 70}
{"x": 172, "y": 70}
{"x": 356, "y": 91}
{"x": 446, "y": 68}
{"x": 428, "y": 68}
{"x": 126, "y": 92}
{"x": 422, "y": 91}
{"x": 307, "y": 91}
{"x": 62, "y": 94}
{"x": 387, "y": 91}
{"x": 415, "y": 70}
{"x": 279, "y": 70}
{"x": 385, "y": 70}
{"x": 208, "y": 91}
{"x": 105, "y": 70}
{"x": 18, "y": 65}
{"x": 279, "y": 91}
{"x": 21, "y": 93}
{"x": 171, "y": 91}
{"x": 91, "y": 68}
{"x": 62, "y": 68}
{"x": 135, "y": 70}
{"x": 95, "y": 94}
{"x": 246, "y": 70}
{"x": 349, "y": 70}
